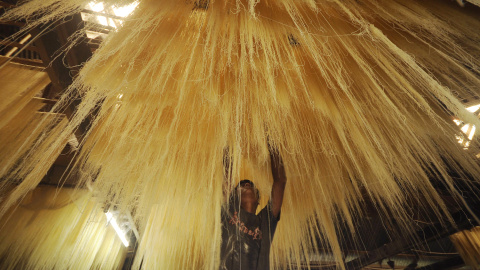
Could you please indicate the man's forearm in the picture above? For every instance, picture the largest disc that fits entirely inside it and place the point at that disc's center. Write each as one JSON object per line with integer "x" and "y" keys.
{"x": 278, "y": 169}
{"x": 279, "y": 181}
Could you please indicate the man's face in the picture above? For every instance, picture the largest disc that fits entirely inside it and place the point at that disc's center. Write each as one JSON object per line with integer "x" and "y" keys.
{"x": 248, "y": 191}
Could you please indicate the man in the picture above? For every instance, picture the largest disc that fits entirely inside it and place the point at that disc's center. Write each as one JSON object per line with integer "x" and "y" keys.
{"x": 246, "y": 237}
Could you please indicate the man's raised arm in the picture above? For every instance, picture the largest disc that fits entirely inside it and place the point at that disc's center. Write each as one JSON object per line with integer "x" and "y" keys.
{"x": 279, "y": 181}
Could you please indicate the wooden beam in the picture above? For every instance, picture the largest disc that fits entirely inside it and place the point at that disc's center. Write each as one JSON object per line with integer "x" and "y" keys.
{"x": 14, "y": 23}
{"x": 463, "y": 217}
{"x": 18, "y": 45}
{"x": 48, "y": 46}
{"x": 23, "y": 61}
{"x": 99, "y": 28}
{"x": 103, "y": 14}
{"x": 80, "y": 52}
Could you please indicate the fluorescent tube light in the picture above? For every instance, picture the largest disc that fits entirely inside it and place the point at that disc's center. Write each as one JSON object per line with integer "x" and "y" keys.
{"x": 112, "y": 221}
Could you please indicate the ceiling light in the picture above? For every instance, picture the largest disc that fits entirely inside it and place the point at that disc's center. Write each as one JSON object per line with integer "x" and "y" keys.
{"x": 120, "y": 233}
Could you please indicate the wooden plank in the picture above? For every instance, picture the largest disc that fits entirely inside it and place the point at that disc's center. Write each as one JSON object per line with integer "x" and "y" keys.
{"x": 14, "y": 23}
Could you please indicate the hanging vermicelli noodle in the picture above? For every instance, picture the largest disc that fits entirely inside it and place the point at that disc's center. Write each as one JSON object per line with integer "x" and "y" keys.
{"x": 347, "y": 91}
{"x": 467, "y": 243}
{"x": 54, "y": 229}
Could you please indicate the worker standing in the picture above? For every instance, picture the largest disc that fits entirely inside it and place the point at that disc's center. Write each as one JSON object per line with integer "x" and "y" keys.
{"x": 246, "y": 236}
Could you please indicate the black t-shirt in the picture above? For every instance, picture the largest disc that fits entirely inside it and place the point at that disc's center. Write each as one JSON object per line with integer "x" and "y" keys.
{"x": 246, "y": 238}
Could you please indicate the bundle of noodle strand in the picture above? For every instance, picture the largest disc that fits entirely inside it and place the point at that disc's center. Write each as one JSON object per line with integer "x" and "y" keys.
{"x": 467, "y": 244}
{"x": 59, "y": 229}
{"x": 354, "y": 116}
